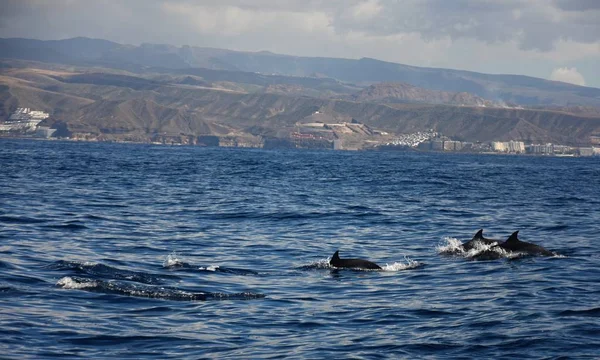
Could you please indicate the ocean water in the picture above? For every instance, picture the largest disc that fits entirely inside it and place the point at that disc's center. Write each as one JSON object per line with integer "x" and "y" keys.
{"x": 136, "y": 251}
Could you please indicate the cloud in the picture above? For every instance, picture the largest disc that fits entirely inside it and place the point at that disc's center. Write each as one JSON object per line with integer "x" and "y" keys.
{"x": 578, "y": 5}
{"x": 533, "y": 24}
{"x": 568, "y": 75}
{"x": 530, "y": 37}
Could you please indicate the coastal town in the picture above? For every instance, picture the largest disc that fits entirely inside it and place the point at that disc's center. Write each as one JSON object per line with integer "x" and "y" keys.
{"x": 28, "y": 123}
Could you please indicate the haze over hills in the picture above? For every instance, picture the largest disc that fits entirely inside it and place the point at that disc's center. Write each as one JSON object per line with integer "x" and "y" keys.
{"x": 516, "y": 89}
{"x": 101, "y": 89}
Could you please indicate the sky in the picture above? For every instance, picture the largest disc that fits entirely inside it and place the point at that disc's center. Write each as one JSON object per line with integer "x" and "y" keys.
{"x": 550, "y": 39}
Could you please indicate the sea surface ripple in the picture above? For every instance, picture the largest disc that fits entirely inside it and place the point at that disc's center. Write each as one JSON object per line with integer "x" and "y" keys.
{"x": 141, "y": 251}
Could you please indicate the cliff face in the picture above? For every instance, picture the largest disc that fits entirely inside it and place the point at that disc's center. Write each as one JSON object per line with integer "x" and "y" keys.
{"x": 139, "y": 108}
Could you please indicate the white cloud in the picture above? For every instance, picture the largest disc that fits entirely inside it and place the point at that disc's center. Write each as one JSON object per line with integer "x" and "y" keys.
{"x": 568, "y": 75}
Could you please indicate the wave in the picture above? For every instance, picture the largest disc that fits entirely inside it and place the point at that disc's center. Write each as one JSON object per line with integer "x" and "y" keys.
{"x": 148, "y": 291}
{"x": 174, "y": 262}
{"x": 68, "y": 226}
{"x": 21, "y": 220}
{"x": 6, "y": 289}
{"x": 105, "y": 271}
{"x": 11, "y": 291}
{"x": 286, "y": 216}
{"x": 594, "y": 312}
{"x": 5, "y": 265}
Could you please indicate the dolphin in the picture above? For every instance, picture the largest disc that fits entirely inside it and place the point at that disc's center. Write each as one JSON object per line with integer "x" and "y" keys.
{"x": 479, "y": 238}
{"x": 515, "y": 245}
{"x": 352, "y": 263}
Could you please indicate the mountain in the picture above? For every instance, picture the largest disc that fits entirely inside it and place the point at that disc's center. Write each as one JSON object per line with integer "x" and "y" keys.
{"x": 113, "y": 104}
{"x": 97, "y": 89}
{"x": 514, "y": 89}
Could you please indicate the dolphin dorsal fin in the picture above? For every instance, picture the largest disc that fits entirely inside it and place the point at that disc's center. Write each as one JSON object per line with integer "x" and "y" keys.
{"x": 513, "y": 237}
{"x": 336, "y": 256}
{"x": 478, "y": 235}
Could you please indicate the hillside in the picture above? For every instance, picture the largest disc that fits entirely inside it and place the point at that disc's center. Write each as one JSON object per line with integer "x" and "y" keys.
{"x": 251, "y": 67}
{"x": 407, "y": 93}
{"x": 118, "y": 105}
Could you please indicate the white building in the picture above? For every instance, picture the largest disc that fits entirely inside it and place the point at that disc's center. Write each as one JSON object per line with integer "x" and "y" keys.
{"x": 23, "y": 119}
{"x": 498, "y": 146}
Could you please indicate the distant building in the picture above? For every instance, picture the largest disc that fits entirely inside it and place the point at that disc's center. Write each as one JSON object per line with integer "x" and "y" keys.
{"x": 424, "y": 146}
{"x": 541, "y": 149}
{"x": 514, "y": 147}
{"x": 517, "y": 147}
{"x": 586, "y": 151}
{"x": 498, "y": 146}
{"x": 437, "y": 145}
{"x": 23, "y": 119}
{"x": 450, "y": 145}
{"x": 561, "y": 149}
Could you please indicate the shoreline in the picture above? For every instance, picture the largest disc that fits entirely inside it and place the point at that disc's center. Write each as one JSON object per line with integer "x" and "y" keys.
{"x": 379, "y": 149}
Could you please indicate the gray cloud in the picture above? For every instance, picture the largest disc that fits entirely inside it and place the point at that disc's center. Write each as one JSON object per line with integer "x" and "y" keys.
{"x": 578, "y": 5}
{"x": 532, "y": 24}
{"x": 447, "y": 33}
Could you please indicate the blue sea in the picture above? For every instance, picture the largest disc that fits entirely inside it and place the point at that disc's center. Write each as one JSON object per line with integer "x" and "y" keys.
{"x": 125, "y": 251}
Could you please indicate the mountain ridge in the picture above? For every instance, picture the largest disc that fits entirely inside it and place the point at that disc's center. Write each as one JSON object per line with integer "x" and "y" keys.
{"x": 517, "y": 89}
{"x": 118, "y": 111}
{"x": 99, "y": 90}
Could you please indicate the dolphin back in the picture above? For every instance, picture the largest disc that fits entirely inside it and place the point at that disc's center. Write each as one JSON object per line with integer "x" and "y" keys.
{"x": 352, "y": 263}
{"x": 514, "y": 244}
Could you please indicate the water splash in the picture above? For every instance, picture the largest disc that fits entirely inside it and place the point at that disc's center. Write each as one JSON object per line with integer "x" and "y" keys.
{"x": 479, "y": 251}
{"x": 406, "y": 265}
{"x": 147, "y": 291}
{"x": 172, "y": 261}
{"x": 76, "y": 283}
{"x": 450, "y": 246}
{"x": 104, "y": 271}
{"x": 209, "y": 268}
{"x": 396, "y": 266}
{"x": 319, "y": 264}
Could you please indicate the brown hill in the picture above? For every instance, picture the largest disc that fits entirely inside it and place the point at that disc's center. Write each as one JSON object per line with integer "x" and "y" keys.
{"x": 407, "y": 93}
{"x": 333, "y": 74}
{"x": 127, "y": 108}
{"x": 139, "y": 116}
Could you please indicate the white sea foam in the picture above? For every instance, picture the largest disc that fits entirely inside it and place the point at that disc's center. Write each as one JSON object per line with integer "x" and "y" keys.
{"x": 454, "y": 246}
{"x": 398, "y": 266}
{"x": 450, "y": 245}
{"x": 319, "y": 264}
{"x": 209, "y": 268}
{"x": 172, "y": 260}
{"x": 69, "y": 283}
{"x": 479, "y": 247}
